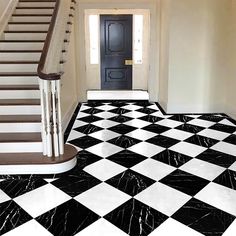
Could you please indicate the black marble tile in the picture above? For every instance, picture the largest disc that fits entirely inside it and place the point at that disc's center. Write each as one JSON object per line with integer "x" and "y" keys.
{"x": 143, "y": 103}
{"x": 122, "y": 129}
{"x": 162, "y": 141}
{"x": 11, "y": 216}
{"x": 124, "y": 141}
{"x": 119, "y": 111}
{"x": 127, "y": 158}
{"x": 223, "y": 128}
{"x": 203, "y": 218}
{"x": 202, "y": 141}
{"x": 73, "y": 185}
{"x": 94, "y": 103}
{"x": 90, "y": 119}
{"x": 136, "y": 218}
{"x": 67, "y": 219}
{"x": 120, "y": 119}
{"x": 231, "y": 139}
{"x": 213, "y": 118}
{"x": 181, "y": 118}
{"x": 227, "y": 178}
{"x": 92, "y": 111}
{"x": 130, "y": 182}
{"x": 146, "y": 110}
{"x": 88, "y": 129}
{"x": 158, "y": 129}
{"x": 150, "y": 118}
{"x": 85, "y": 142}
{"x": 16, "y": 187}
{"x": 217, "y": 158}
{"x": 184, "y": 182}
{"x": 190, "y": 128}
{"x": 172, "y": 158}
{"x": 118, "y": 103}
{"x": 85, "y": 158}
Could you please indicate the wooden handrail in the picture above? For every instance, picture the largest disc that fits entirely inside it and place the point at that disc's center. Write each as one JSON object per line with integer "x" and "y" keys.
{"x": 42, "y": 61}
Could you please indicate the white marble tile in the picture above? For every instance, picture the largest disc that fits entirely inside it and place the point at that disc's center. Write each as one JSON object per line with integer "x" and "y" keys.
{"x": 160, "y": 114}
{"x": 137, "y": 123}
{"x": 41, "y": 200}
{"x": 82, "y": 115}
{"x": 153, "y": 169}
{"x": 225, "y": 147}
{"x": 101, "y": 228}
{"x": 104, "y": 135}
{"x": 169, "y": 123}
{"x": 194, "y": 116}
{"x": 29, "y": 228}
{"x": 146, "y": 149}
{"x": 106, "y": 107}
{"x": 172, "y": 227}
{"x": 135, "y": 114}
{"x": 141, "y": 134}
{"x": 4, "y": 197}
{"x": 202, "y": 169}
{"x": 226, "y": 122}
{"x": 104, "y": 169}
{"x": 104, "y": 149}
{"x": 131, "y": 107}
{"x": 102, "y": 198}
{"x": 215, "y": 134}
{"x": 78, "y": 123}
{"x": 163, "y": 198}
{"x": 177, "y": 134}
{"x": 105, "y": 124}
{"x": 84, "y": 107}
{"x": 74, "y": 135}
{"x": 153, "y": 106}
{"x": 219, "y": 196}
{"x": 233, "y": 166}
{"x": 231, "y": 231}
{"x": 188, "y": 149}
{"x": 202, "y": 123}
{"x": 105, "y": 114}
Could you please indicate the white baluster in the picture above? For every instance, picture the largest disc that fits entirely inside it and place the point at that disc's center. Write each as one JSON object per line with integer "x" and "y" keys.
{"x": 43, "y": 127}
{"x": 54, "y": 119}
{"x": 48, "y": 113}
{"x": 61, "y": 138}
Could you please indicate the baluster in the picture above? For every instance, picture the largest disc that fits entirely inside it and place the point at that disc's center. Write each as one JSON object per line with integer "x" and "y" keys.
{"x": 61, "y": 138}
{"x": 48, "y": 112}
{"x": 54, "y": 119}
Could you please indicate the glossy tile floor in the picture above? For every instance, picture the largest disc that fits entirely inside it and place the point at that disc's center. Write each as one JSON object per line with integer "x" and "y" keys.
{"x": 139, "y": 173}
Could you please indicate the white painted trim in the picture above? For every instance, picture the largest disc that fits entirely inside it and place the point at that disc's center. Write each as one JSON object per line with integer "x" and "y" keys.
{"x": 117, "y": 95}
{"x": 67, "y": 116}
{"x": 38, "y": 169}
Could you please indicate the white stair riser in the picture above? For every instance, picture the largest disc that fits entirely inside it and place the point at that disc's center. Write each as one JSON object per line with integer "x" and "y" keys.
{"x": 21, "y": 46}
{"x": 20, "y": 127}
{"x": 31, "y": 19}
{"x": 36, "y": 4}
{"x": 33, "y": 11}
{"x": 17, "y": 80}
{"x": 18, "y": 67}
{"x": 25, "y": 36}
{"x": 33, "y": 27}
{"x": 21, "y": 147}
{"x": 20, "y": 110}
{"x": 19, "y": 94}
{"x": 26, "y": 56}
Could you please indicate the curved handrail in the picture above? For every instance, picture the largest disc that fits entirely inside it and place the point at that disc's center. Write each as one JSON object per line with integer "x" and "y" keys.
{"x": 42, "y": 61}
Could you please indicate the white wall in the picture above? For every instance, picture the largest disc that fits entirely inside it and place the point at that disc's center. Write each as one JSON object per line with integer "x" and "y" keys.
{"x": 196, "y": 68}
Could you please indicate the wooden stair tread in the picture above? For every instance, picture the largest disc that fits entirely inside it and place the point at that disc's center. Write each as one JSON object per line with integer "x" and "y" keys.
{"x": 34, "y": 7}
{"x": 25, "y": 31}
{"x": 20, "y": 118}
{"x": 19, "y": 87}
{"x": 20, "y": 137}
{"x": 24, "y": 15}
{"x": 20, "y": 51}
{"x": 19, "y": 102}
{"x": 22, "y": 41}
{"x": 9, "y": 74}
{"x": 36, "y": 158}
{"x": 19, "y": 62}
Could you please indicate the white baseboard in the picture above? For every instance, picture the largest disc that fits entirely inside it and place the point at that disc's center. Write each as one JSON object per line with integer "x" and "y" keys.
{"x": 67, "y": 116}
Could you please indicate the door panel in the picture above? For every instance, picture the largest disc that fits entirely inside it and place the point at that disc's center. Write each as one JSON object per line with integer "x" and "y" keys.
{"x": 116, "y": 48}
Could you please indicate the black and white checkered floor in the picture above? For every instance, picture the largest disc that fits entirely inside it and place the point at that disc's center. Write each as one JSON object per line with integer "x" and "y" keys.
{"x": 139, "y": 172}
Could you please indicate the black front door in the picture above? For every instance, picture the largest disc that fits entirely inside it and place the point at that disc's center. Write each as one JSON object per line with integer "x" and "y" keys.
{"x": 116, "y": 51}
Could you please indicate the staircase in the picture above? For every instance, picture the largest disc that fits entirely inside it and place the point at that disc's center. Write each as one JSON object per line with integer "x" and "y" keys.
{"x": 21, "y": 144}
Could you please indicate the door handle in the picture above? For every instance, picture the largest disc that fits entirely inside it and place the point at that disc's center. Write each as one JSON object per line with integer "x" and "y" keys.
{"x": 128, "y": 62}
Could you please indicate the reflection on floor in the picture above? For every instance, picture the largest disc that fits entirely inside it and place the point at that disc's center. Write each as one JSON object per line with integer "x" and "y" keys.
{"x": 140, "y": 172}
